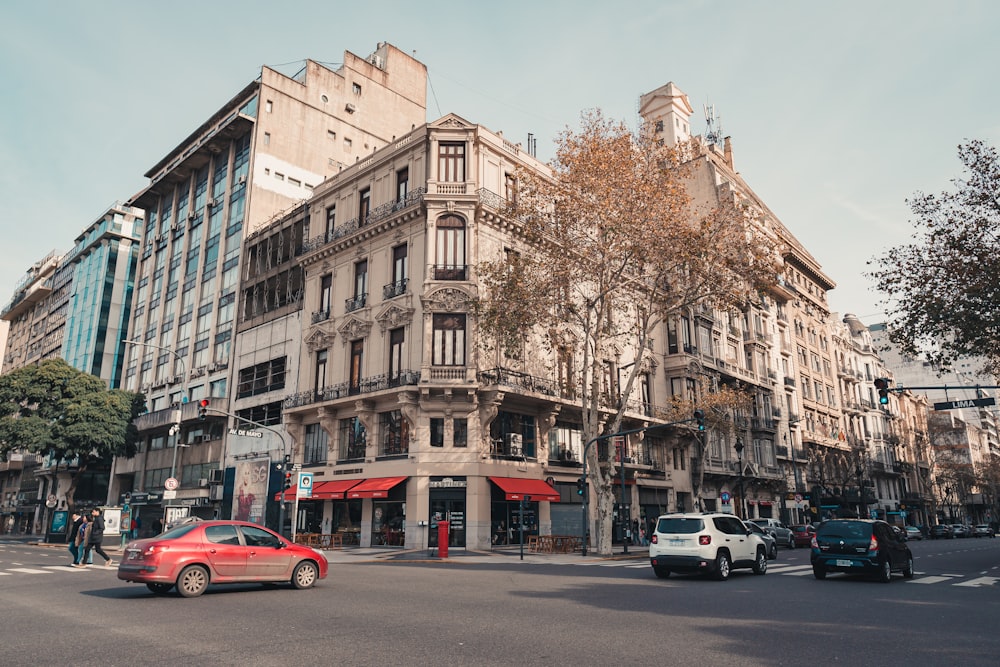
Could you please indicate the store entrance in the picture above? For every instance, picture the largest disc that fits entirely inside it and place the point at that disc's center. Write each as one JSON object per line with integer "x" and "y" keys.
{"x": 453, "y": 511}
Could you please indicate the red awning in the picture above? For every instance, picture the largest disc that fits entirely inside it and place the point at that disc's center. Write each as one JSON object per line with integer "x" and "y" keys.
{"x": 329, "y": 490}
{"x": 517, "y": 488}
{"x": 377, "y": 487}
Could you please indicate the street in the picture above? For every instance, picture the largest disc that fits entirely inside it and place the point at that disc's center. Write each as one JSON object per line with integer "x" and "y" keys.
{"x": 497, "y": 609}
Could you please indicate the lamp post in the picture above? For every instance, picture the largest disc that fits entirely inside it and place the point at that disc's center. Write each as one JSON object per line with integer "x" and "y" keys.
{"x": 862, "y": 505}
{"x": 739, "y": 457}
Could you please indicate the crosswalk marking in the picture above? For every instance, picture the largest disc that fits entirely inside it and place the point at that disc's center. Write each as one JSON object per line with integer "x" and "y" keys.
{"x": 27, "y": 570}
{"x": 933, "y": 579}
{"x": 980, "y": 581}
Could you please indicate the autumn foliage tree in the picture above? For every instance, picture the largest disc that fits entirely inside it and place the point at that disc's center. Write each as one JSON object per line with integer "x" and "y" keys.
{"x": 943, "y": 297}
{"x": 612, "y": 244}
{"x": 55, "y": 410}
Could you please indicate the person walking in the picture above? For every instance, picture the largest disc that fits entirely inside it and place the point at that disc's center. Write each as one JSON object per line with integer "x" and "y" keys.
{"x": 74, "y": 537}
{"x": 96, "y": 536}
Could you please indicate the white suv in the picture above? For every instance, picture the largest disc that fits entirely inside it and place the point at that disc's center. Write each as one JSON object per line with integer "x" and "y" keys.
{"x": 704, "y": 543}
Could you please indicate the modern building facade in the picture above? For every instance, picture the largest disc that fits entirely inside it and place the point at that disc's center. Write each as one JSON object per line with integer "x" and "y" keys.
{"x": 263, "y": 153}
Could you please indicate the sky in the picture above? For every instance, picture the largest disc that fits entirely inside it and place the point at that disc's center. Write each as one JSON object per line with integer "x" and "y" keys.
{"x": 838, "y": 111}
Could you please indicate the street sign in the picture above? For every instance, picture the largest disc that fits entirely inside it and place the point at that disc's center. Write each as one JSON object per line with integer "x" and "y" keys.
{"x": 969, "y": 403}
{"x": 170, "y": 483}
{"x": 305, "y": 485}
{"x": 169, "y": 494}
{"x": 51, "y": 501}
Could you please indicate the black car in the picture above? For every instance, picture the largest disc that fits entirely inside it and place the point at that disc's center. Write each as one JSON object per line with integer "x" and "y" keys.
{"x": 860, "y": 546}
{"x": 942, "y": 531}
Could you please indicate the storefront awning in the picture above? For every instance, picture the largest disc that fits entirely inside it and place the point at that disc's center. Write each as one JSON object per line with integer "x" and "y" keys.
{"x": 377, "y": 487}
{"x": 533, "y": 489}
{"x": 329, "y": 490}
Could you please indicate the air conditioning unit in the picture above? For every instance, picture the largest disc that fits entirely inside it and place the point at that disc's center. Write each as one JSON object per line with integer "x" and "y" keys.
{"x": 192, "y": 215}
{"x": 242, "y": 179}
{"x": 350, "y": 108}
{"x": 215, "y": 492}
{"x": 216, "y": 476}
{"x": 203, "y": 482}
{"x": 206, "y": 438}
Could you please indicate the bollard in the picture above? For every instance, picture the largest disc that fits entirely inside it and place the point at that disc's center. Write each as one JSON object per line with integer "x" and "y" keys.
{"x": 443, "y": 539}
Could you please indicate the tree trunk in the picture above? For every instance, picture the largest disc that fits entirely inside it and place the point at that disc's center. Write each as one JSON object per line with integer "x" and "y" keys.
{"x": 604, "y": 515}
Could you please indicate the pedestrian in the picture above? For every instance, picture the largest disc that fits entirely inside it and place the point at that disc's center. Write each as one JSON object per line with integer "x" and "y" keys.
{"x": 96, "y": 536}
{"x": 74, "y": 537}
{"x": 82, "y": 533}
{"x": 157, "y": 526}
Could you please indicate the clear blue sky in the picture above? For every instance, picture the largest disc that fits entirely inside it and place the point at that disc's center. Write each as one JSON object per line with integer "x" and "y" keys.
{"x": 837, "y": 111}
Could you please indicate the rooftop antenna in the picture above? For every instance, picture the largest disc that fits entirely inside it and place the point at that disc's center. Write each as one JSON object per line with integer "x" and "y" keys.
{"x": 713, "y": 126}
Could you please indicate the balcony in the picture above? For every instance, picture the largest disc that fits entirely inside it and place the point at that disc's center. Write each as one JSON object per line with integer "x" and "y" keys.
{"x": 344, "y": 389}
{"x": 377, "y": 214}
{"x": 320, "y": 316}
{"x": 355, "y": 303}
{"x": 518, "y": 380}
{"x": 395, "y": 289}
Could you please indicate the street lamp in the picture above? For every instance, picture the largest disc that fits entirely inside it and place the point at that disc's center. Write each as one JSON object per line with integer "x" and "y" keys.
{"x": 739, "y": 456}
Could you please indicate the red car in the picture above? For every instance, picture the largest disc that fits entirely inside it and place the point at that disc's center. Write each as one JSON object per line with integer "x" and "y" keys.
{"x": 802, "y": 534}
{"x": 194, "y": 555}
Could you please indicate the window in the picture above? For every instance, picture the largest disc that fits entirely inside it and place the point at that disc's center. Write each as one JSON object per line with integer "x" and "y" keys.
{"x": 448, "y": 340}
{"x": 267, "y": 414}
{"x": 325, "y": 294}
{"x": 399, "y": 271}
{"x": 450, "y": 248}
{"x": 396, "y": 341}
{"x": 267, "y": 138}
{"x": 361, "y": 279}
{"x": 357, "y": 361}
{"x": 437, "y": 432}
{"x": 315, "y": 448}
{"x": 451, "y": 162}
{"x": 460, "y": 438}
{"x": 353, "y": 439}
{"x": 331, "y": 216}
{"x": 402, "y": 184}
{"x": 395, "y": 433}
{"x": 268, "y": 106}
{"x": 510, "y": 187}
{"x": 320, "y": 382}
{"x": 364, "y": 205}
{"x": 260, "y": 378}
{"x": 356, "y": 88}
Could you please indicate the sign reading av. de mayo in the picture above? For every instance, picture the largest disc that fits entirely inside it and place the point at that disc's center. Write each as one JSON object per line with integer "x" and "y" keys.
{"x": 969, "y": 403}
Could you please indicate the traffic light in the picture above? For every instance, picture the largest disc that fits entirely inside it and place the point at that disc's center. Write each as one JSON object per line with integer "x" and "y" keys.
{"x": 288, "y": 481}
{"x": 882, "y": 384}
{"x": 581, "y": 486}
{"x": 203, "y": 408}
{"x": 699, "y": 416}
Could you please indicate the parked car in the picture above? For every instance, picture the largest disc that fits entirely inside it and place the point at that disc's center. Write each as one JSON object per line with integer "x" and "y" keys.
{"x": 959, "y": 530}
{"x": 860, "y": 546}
{"x": 983, "y": 530}
{"x": 782, "y": 534}
{"x": 193, "y": 555}
{"x": 913, "y": 533}
{"x": 941, "y": 531}
{"x": 769, "y": 542}
{"x": 802, "y": 534}
{"x": 709, "y": 543}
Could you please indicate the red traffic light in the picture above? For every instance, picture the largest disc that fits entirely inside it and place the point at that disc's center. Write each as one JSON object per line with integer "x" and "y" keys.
{"x": 202, "y": 408}
{"x": 203, "y": 403}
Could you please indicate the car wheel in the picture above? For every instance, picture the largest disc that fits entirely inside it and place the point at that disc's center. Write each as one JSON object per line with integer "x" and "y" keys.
{"x": 774, "y": 551}
{"x": 661, "y": 572}
{"x": 791, "y": 542}
{"x": 819, "y": 571}
{"x": 908, "y": 568}
{"x": 305, "y": 574}
{"x": 722, "y": 566}
{"x": 192, "y": 581}
{"x": 760, "y": 565}
{"x": 159, "y": 589}
{"x": 885, "y": 571}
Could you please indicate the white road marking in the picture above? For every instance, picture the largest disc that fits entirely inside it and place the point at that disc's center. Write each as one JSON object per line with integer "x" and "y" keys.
{"x": 981, "y": 581}
{"x": 27, "y": 570}
{"x": 930, "y": 580}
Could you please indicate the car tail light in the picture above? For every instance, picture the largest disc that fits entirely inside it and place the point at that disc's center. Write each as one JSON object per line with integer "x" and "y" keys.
{"x": 704, "y": 540}
{"x": 813, "y": 543}
{"x": 873, "y": 545}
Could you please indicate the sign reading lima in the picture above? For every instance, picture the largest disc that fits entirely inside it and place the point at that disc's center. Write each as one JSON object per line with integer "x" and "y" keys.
{"x": 970, "y": 403}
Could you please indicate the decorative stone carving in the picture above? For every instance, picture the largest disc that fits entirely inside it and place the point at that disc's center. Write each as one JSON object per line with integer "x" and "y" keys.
{"x": 353, "y": 328}
{"x": 446, "y": 300}
{"x": 318, "y": 340}
{"x": 394, "y": 316}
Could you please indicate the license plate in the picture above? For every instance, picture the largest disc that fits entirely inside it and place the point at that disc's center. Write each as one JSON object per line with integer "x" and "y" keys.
{"x": 845, "y": 563}
{"x": 132, "y": 555}
{"x": 676, "y": 543}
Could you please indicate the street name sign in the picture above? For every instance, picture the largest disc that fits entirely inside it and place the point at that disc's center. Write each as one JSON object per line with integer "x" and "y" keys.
{"x": 968, "y": 403}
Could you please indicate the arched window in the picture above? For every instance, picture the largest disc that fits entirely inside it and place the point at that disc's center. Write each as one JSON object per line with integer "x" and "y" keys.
{"x": 450, "y": 248}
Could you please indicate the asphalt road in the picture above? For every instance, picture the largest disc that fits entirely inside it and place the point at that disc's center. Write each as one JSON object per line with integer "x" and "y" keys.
{"x": 559, "y": 610}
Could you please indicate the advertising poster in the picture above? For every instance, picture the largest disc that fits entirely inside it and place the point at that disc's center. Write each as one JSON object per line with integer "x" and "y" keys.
{"x": 251, "y": 490}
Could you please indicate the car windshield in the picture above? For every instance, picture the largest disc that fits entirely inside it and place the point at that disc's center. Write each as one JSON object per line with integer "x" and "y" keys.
{"x": 799, "y": 529}
{"x": 179, "y": 531}
{"x": 680, "y": 525}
